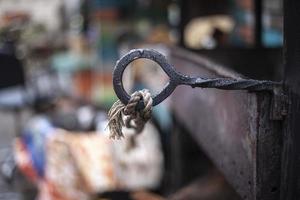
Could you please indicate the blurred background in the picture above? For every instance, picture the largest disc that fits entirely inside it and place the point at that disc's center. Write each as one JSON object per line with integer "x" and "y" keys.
{"x": 56, "y": 61}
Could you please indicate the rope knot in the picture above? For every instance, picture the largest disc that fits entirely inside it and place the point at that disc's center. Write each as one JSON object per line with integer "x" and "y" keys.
{"x": 127, "y": 115}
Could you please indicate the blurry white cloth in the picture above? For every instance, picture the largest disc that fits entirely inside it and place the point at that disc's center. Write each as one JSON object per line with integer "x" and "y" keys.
{"x": 81, "y": 165}
{"x": 141, "y": 166}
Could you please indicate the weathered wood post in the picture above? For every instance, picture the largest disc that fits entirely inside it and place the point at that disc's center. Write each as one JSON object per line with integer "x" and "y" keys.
{"x": 290, "y": 184}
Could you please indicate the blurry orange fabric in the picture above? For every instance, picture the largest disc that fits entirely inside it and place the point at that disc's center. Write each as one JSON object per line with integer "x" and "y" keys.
{"x": 83, "y": 83}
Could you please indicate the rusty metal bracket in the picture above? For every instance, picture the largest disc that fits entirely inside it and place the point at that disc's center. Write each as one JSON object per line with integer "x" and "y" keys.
{"x": 177, "y": 78}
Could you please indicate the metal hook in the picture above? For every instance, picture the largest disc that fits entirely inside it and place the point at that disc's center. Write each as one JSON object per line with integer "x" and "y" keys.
{"x": 179, "y": 79}
{"x": 149, "y": 54}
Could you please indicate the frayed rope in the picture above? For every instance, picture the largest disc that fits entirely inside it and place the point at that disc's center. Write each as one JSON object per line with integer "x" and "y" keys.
{"x": 126, "y": 115}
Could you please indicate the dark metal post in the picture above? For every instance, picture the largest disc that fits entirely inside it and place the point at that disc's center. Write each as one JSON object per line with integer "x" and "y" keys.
{"x": 183, "y": 21}
{"x": 258, "y": 23}
{"x": 290, "y": 184}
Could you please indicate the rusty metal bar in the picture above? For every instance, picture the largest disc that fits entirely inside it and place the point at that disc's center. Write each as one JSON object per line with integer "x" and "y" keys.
{"x": 231, "y": 84}
{"x": 177, "y": 78}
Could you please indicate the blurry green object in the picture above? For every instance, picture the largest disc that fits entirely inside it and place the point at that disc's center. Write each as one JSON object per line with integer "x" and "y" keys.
{"x": 71, "y": 62}
{"x": 107, "y": 44}
{"x": 110, "y": 3}
{"x": 105, "y": 97}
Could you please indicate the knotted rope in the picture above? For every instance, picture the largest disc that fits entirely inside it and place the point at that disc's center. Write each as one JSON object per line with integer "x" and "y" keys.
{"x": 127, "y": 115}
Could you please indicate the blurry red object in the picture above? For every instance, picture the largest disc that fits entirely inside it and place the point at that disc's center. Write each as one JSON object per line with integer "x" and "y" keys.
{"x": 23, "y": 161}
